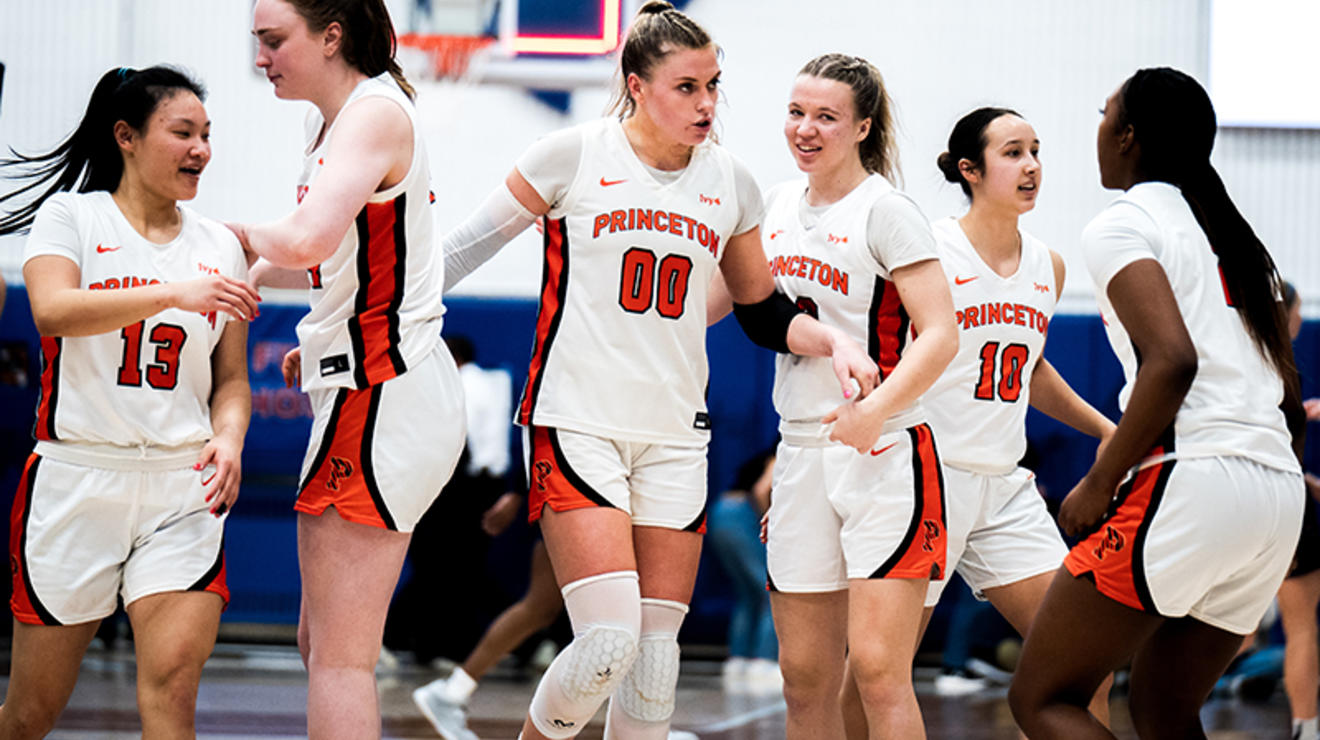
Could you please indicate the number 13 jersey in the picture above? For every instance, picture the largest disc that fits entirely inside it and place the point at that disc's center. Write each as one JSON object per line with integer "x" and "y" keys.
{"x": 620, "y": 338}
{"x": 978, "y": 406}
{"x": 148, "y": 384}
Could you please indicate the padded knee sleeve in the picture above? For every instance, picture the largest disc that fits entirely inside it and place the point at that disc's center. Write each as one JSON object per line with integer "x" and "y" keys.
{"x": 606, "y": 615}
{"x": 642, "y": 705}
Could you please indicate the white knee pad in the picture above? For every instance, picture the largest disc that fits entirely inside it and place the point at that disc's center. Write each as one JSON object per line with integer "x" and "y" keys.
{"x": 644, "y": 702}
{"x": 606, "y": 614}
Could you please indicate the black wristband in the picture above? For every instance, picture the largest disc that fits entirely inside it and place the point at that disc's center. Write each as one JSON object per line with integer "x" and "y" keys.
{"x": 766, "y": 322}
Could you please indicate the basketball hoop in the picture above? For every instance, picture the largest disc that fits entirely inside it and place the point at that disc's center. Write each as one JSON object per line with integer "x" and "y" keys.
{"x": 450, "y": 55}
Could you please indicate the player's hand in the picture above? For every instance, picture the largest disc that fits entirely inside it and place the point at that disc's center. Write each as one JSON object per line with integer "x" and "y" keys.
{"x": 1312, "y": 406}
{"x": 1084, "y": 505}
{"x": 291, "y": 367}
{"x": 853, "y": 426}
{"x": 221, "y": 468}
{"x": 501, "y": 513}
{"x": 851, "y": 364}
{"x": 216, "y": 293}
{"x": 765, "y": 527}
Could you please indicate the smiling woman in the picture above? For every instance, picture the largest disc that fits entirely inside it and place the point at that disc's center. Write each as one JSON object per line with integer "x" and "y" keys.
{"x": 144, "y": 402}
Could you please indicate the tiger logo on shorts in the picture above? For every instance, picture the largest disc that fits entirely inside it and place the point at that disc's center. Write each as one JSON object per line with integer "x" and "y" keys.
{"x": 340, "y": 469}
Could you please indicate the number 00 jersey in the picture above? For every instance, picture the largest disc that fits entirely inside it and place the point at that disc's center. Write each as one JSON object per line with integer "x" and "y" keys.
{"x": 978, "y": 406}
{"x": 620, "y": 337}
{"x": 376, "y": 308}
{"x": 839, "y": 270}
{"x": 1232, "y": 408}
{"x": 148, "y": 384}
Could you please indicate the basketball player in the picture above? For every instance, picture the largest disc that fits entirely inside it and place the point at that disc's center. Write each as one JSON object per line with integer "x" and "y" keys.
{"x": 144, "y": 402}
{"x": 1190, "y": 514}
{"x": 640, "y": 211}
{"x": 388, "y": 413}
{"x": 1005, "y": 284}
{"x": 856, "y": 523}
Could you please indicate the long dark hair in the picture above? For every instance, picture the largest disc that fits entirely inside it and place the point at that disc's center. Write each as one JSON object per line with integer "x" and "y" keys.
{"x": 879, "y": 150}
{"x": 368, "y": 43}
{"x": 90, "y": 159}
{"x": 1173, "y": 122}
{"x": 658, "y": 29}
{"x": 968, "y": 141}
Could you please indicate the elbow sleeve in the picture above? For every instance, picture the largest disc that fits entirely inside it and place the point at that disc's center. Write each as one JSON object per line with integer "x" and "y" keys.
{"x": 766, "y": 322}
{"x": 497, "y": 221}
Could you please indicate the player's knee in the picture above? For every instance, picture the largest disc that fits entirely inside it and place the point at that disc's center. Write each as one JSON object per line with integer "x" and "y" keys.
{"x": 24, "y": 722}
{"x": 647, "y": 693}
{"x": 808, "y": 676}
{"x": 304, "y": 643}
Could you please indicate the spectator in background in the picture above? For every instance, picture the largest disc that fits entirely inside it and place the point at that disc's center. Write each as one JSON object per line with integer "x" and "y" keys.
{"x": 733, "y": 532}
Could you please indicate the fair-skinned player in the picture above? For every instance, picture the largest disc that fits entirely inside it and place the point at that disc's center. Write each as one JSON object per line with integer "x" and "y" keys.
{"x": 640, "y": 211}
{"x": 1002, "y": 539}
{"x": 856, "y": 523}
{"x": 1190, "y": 515}
{"x": 142, "y": 309}
{"x": 388, "y": 421}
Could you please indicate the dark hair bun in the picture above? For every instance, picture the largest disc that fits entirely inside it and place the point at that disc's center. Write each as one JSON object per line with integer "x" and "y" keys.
{"x": 654, "y": 6}
{"x": 948, "y": 164}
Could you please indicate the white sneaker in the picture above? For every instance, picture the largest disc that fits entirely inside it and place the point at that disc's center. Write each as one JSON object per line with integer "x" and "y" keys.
{"x": 733, "y": 674}
{"x": 958, "y": 683}
{"x": 448, "y": 719}
{"x": 683, "y": 735}
{"x": 763, "y": 676}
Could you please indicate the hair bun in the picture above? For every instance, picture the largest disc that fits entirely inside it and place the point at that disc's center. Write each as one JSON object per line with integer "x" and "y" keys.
{"x": 949, "y": 166}
{"x": 655, "y": 7}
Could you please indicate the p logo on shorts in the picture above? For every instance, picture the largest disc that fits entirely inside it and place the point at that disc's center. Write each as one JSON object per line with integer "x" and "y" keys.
{"x": 340, "y": 469}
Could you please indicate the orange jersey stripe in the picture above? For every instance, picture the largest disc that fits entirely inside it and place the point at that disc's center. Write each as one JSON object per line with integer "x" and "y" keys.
{"x": 888, "y": 326}
{"x": 374, "y": 326}
{"x": 27, "y": 607}
{"x": 44, "y": 429}
{"x": 554, "y": 281}
{"x": 923, "y": 551}
{"x": 215, "y": 579}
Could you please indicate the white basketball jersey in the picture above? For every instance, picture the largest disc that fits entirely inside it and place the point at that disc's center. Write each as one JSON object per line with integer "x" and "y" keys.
{"x": 1232, "y": 407}
{"x": 148, "y": 384}
{"x": 620, "y": 337}
{"x": 978, "y": 406}
{"x": 376, "y": 308}
{"x": 830, "y": 271}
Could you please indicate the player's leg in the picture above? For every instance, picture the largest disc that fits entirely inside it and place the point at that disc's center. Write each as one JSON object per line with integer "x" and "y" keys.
{"x": 813, "y": 635}
{"x": 1172, "y": 675}
{"x": 1298, "y": 598}
{"x": 1078, "y": 637}
{"x": 43, "y": 668}
{"x": 174, "y": 633}
{"x": 535, "y": 611}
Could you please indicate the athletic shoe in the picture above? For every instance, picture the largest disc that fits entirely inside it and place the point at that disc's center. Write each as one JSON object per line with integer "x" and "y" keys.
{"x": 763, "y": 677}
{"x": 447, "y": 718}
{"x": 958, "y": 683}
{"x": 682, "y": 735}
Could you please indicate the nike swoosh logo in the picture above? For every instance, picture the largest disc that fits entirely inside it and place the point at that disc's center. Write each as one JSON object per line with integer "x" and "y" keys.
{"x": 882, "y": 450}
{"x": 964, "y": 281}
{"x": 102, "y": 250}
{"x": 606, "y": 183}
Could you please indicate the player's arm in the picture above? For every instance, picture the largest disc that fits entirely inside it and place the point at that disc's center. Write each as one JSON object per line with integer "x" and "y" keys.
{"x": 924, "y": 292}
{"x": 263, "y": 274}
{"x": 61, "y": 308}
{"x": 231, "y": 409}
{"x": 1145, "y": 304}
{"x": 371, "y": 148}
{"x": 771, "y": 320}
{"x": 506, "y": 213}
{"x": 1051, "y": 394}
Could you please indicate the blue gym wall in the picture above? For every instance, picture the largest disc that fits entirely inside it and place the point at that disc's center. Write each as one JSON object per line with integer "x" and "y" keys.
{"x": 262, "y": 564}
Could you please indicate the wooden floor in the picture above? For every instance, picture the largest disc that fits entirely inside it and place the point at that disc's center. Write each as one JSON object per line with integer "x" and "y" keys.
{"x": 258, "y": 693}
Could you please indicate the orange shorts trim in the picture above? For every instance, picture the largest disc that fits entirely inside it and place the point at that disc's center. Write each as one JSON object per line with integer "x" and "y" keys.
{"x": 1113, "y": 556}
{"x": 923, "y": 550}
{"x": 554, "y": 483}
{"x": 24, "y": 603}
{"x": 342, "y": 474}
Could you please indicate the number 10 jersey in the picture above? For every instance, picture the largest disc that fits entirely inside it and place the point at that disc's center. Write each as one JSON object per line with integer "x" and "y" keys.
{"x": 620, "y": 338}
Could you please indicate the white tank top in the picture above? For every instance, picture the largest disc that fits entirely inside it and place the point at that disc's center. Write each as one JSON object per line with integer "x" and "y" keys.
{"x": 978, "y": 406}
{"x": 147, "y": 385}
{"x": 376, "y": 305}
{"x": 620, "y": 338}
{"x": 831, "y": 271}
{"x": 1232, "y": 407}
